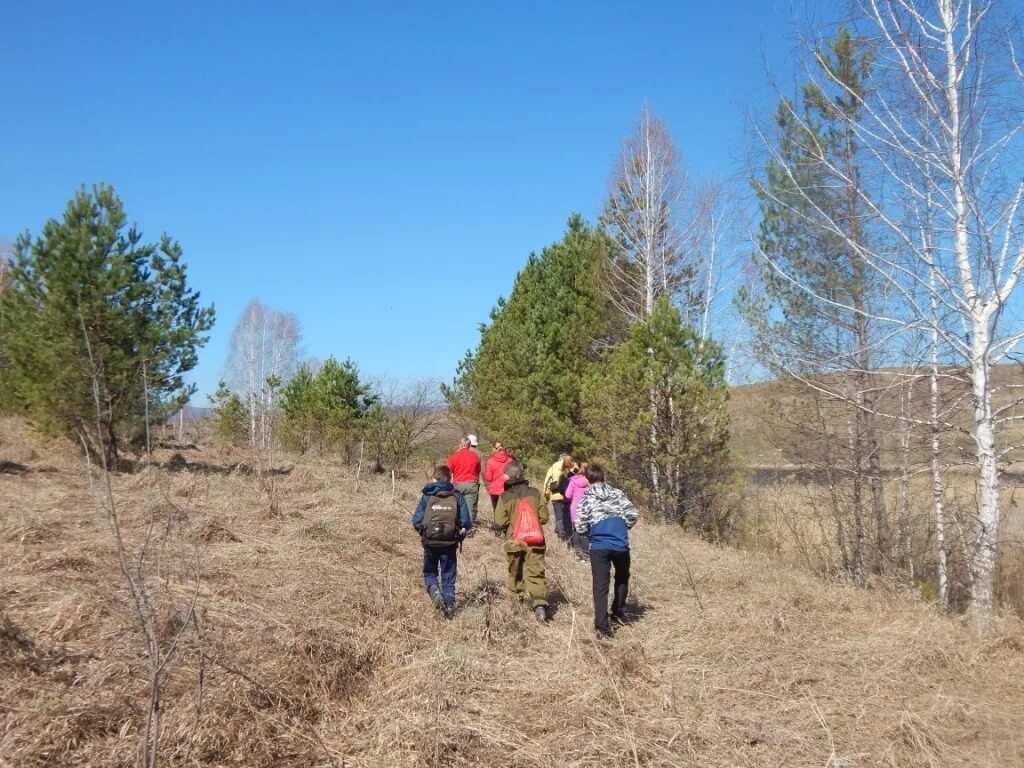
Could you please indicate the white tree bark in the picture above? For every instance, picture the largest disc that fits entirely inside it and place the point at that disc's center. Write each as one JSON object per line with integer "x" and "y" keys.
{"x": 943, "y": 130}
{"x": 652, "y": 221}
{"x": 264, "y": 343}
{"x": 938, "y": 488}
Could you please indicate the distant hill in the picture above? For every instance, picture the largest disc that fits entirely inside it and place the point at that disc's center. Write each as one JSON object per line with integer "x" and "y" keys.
{"x": 766, "y": 416}
{"x": 195, "y": 413}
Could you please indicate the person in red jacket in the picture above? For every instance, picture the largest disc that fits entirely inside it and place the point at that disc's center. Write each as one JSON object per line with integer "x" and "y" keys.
{"x": 494, "y": 473}
{"x": 465, "y": 467}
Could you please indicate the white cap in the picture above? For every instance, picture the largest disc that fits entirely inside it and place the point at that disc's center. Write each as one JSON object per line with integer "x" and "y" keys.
{"x": 472, "y": 440}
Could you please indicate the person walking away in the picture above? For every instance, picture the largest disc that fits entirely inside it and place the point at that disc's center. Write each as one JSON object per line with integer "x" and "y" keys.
{"x": 606, "y": 515}
{"x": 473, "y": 447}
{"x": 465, "y": 466}
{"x": 574, "y": 491}
{"x": 442, "y": 519}
{"x": 494, "y": 473}
{"x": 553, "y": 491}
{"x": 525, "y": 559}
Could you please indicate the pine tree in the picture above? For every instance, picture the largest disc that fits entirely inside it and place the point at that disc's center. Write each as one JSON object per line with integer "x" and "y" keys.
{"x": 230, "y": 415}
{"x": 326, "y": 410}
{"x": 523, "y": 380}
{"x": 814, "y": 316}
{"x": 98, "y": 329}
{"x": 300, "y": 428}
{"x": 664, "y": 362}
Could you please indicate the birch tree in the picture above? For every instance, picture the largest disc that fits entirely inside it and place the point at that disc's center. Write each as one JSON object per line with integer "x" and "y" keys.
{"x": 722, "y": 248}
{"x": 654, "y": 239}
{"x": 264, "y": 345}
{"x": 648, "y": 219}
{"x": 942, "y": 126}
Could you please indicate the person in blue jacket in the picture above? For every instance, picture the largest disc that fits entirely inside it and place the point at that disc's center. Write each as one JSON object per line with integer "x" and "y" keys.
{"x": 442, "y": 519}
{"x": 606, "y": 515}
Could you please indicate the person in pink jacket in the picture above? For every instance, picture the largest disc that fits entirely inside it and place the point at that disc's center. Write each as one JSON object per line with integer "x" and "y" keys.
{"x": 494, "y": 473}
{"x": 578, "y": 485}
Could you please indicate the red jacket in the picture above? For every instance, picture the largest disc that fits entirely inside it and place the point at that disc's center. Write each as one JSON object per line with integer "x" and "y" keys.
{"x": 494, "y": 474}
{"x": 465, "y": 466}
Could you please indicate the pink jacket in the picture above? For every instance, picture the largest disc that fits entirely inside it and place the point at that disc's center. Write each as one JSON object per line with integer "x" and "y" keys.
{"x": 574, "y": 492}
{"x": 494, "y": 472}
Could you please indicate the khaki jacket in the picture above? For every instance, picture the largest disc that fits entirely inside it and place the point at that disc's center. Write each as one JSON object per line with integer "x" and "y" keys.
{"x": 504, "y": 513}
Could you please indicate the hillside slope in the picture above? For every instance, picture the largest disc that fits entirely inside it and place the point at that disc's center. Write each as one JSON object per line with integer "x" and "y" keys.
{"x": 764, "y": 416}
{"x": 317, "y": 646}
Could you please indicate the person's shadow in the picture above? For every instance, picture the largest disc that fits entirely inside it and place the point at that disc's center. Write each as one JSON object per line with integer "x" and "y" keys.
{"x": 635, "y": 609}
{"x": 556, "y": 599}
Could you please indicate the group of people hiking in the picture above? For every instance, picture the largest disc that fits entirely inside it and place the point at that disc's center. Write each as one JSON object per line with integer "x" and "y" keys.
{"x": 591, "y": 517}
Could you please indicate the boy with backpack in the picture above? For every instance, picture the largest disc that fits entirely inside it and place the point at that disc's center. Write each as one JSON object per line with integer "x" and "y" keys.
{"x": 520, "y": 515}
{"x": 442, "y": 519}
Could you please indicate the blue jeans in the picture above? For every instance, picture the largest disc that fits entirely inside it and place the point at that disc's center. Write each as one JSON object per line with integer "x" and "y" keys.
{"x": 446, "y": 560}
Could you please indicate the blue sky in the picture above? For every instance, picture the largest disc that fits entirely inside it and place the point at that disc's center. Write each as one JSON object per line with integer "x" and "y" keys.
{"x": 352, "y": 163}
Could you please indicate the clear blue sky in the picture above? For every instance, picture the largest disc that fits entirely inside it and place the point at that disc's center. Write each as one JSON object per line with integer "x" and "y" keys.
{"x": 353, "y": 163}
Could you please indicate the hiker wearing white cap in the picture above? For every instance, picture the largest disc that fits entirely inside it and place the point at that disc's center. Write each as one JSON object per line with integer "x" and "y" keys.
{"x": 474, "y": 449}
{"x": 465, "y": 467}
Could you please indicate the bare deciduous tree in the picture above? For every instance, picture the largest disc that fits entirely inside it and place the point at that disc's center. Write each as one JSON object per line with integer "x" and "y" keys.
{"x": 405, "y": 420}
{"x": 142, "y": 568}
{"x": 941, "y": 132}
{"x": 651, "y": 220}
{"x": 723, "y": 248}
{"x": 265, "y": 344}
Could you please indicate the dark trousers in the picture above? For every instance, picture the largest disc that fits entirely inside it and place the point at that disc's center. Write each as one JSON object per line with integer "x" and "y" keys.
{"x": 445, "y": 560}
{"x": 559, "y": 511}
{"x": 581, "y": 544}
{"x": 601, "y": 562}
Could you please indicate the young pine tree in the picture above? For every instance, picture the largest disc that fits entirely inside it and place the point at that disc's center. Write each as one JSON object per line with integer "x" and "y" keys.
{"x": 664, "y": 363}
{"x": 98, "y": 329}
{"x": 230, "y": 415}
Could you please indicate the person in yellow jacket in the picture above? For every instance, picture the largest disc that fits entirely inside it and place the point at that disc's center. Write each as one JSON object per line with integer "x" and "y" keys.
{"x": 554, "y": 488}
{"x": 525, "y": 562}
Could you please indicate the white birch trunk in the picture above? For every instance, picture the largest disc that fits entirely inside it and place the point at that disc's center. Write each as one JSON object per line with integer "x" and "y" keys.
{"x": 938, "y": 489}
{"x": 903, "y": 514}
{"x": 983, "y": 565}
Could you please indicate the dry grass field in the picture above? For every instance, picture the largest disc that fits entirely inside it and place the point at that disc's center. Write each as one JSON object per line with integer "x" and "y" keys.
{"x": 787, "y": 507}
{"x": 314, "y": 643}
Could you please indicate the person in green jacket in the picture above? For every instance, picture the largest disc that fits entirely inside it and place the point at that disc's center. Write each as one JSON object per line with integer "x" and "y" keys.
{"x": 525, "y": 562}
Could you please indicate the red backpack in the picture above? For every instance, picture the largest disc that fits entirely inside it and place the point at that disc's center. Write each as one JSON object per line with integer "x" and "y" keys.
{"x": 527, "y": 528}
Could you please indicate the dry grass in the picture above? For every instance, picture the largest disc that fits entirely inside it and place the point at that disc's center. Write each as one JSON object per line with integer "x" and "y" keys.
{"x": 317, "y": 646}
{"x": 790, "y": 519}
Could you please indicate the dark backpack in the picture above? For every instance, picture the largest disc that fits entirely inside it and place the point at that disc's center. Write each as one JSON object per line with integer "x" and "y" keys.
{"x": 441, "y": 520}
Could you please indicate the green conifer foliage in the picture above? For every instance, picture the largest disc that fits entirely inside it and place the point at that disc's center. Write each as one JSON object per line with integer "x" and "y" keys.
{"x": 663, "y": 361}
{"x": 523, "y": 380}
{"x": 812, "y": 316}
{"x": 230, "y": 416}
{"x": 92, "y": 313}
{"x": 326, "y": 410}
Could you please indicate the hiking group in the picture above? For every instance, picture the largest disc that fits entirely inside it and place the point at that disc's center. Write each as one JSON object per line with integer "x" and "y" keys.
{"x": 591, "y": 517}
